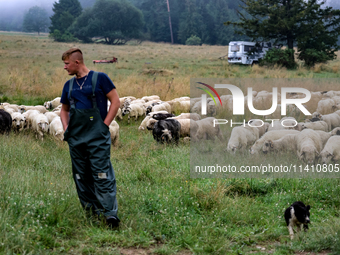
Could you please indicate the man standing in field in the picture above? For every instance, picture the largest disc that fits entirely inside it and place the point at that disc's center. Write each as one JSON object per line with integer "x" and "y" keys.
{"x": 85, "y": 120}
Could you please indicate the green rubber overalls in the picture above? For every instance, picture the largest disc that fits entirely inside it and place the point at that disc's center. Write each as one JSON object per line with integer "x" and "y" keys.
{"x": 89, "y": 141}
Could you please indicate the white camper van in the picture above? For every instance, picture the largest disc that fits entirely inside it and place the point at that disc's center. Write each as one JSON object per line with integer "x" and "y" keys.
{"x": 247, "y": 53}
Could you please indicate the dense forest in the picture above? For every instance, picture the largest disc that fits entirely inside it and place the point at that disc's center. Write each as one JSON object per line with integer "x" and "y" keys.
{"x": 202, "y": 19}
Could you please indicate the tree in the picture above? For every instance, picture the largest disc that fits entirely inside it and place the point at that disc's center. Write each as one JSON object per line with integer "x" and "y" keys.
{"x": 65, "y": 13}
{"x": 113, "y": 21}
{"x": 305, "y": 23}
{"x": 35, "y": 20}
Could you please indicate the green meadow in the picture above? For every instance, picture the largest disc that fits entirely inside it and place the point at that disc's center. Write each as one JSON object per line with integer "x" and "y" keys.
{"x": 162, "y": 209}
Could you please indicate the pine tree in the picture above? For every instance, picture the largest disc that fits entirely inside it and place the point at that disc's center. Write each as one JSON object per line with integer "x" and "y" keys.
{"x": 65, "y": 13}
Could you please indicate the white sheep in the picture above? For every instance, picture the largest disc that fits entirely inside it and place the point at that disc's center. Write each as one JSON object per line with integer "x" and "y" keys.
{"x": 114, "y": 132}
{"x": 326, "y": 106}
{"x": 134, "y": 111}
{"x": 40, "y": 125}
{"x": 241, "y": 137}
{"x": 164, "y": 106}
{"x": 50, "y": 116}
{"x": 332, "y": 119}
{"x": 56, "y": 128}
{"x": 331, "y": 151}
{"x": 29, "y": 116}
{"x": 309, "y": 145}
{"x": 285, "y": 143}
{"x": 270, "y": 135}
{"x": 150, "y": 98}
{"x": 143, "y": 124}
{"x": 18, "y": 121}
{"x": 50, "y": 105}
{"x": 317, "y": 125}
{"x": 204, "y": 130}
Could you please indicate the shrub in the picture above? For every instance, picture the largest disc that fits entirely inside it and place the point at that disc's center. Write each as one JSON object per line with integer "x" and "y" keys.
{"x": 193, "y": 40}
{"x": 279, "y": 57}
{"x": 313, "y": 56}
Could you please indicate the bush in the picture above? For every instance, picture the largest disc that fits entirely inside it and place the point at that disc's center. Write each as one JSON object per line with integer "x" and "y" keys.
{"x": 279, "y": 57}
{"x": 193, "y": 40}
{"x": 313, "y": 56}
{"x": 59, "y": 37}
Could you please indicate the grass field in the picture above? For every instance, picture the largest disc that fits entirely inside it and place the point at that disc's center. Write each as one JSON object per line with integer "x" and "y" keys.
{"x": 162, "y": 210}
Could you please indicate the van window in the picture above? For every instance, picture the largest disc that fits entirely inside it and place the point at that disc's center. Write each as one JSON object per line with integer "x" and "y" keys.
{"x": 234, "y": 48}
{"x": 248, "y": 48}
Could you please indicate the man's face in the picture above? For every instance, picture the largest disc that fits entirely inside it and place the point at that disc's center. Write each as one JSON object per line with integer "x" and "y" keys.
{"x": 71, "y": 66}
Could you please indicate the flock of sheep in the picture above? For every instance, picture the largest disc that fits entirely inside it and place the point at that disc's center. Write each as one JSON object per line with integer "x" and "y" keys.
{"x": 313, "y": 139}
{"x": 317, "y": 137}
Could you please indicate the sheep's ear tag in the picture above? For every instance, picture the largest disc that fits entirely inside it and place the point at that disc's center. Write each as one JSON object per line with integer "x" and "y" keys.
{"x": 91, "y": 118}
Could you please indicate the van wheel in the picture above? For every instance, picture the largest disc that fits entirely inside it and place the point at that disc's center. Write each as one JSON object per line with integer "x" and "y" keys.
{"x": 254, "y": 63}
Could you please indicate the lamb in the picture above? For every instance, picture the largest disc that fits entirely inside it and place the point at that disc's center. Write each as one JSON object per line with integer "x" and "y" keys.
{"x": 56, "y": 128}
{"x": 204, "y": 129}
{"x": 40, "y": 125}
{"x": 167, "y": 130}
{"x": 241, "y": 137}
{"x": 50, "y": 105}
{"x": 114, "y": 132}
{"x": 133, "y": 110}
{"x": 331, "y": 151}
{"x": 19, "y": 121}
{"x": 270, "y": 135}
{"x": 5, "y": 122}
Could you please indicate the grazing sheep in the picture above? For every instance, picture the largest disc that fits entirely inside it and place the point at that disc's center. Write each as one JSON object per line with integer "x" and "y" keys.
{"x": 143, "y": 125}
{"x": 332, "y": 119}
{"x": 114, "y": 132}
{"x": 204, "y": 130}
{"x": 18, "y": 121}
{"x": 326, "y": 106}
{"x": 159, "y": 107}
{"x": 270, "y": 135}
{"x": 331, "y": 151}
{"x": 50, "y": 105}
{"x": 317, "y": 125}
{"x": 50, "y": 116}
{"x": 134, "y": 110}
{"x": 192, "y": 116}
{"x": 29, "y": 115}
{"x": 40, "y": 125}
{"x": 56, "y": 128}
{"x": 287, "y": 142}
{"x": 309, "y": 145}
{"x": 5, "y": 122}
{"x": 150, "y": 98}
{"x": 241, "y": 137}
{"x": 167, "y": 130}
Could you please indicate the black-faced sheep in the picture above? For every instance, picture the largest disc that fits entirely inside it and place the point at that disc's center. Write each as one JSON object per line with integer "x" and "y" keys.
{"x": 167, "y": 130}
{"x": 5, "y": 122}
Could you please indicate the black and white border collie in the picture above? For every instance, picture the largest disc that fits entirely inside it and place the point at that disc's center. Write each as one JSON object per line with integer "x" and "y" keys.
{"x": 297, "y": 215}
